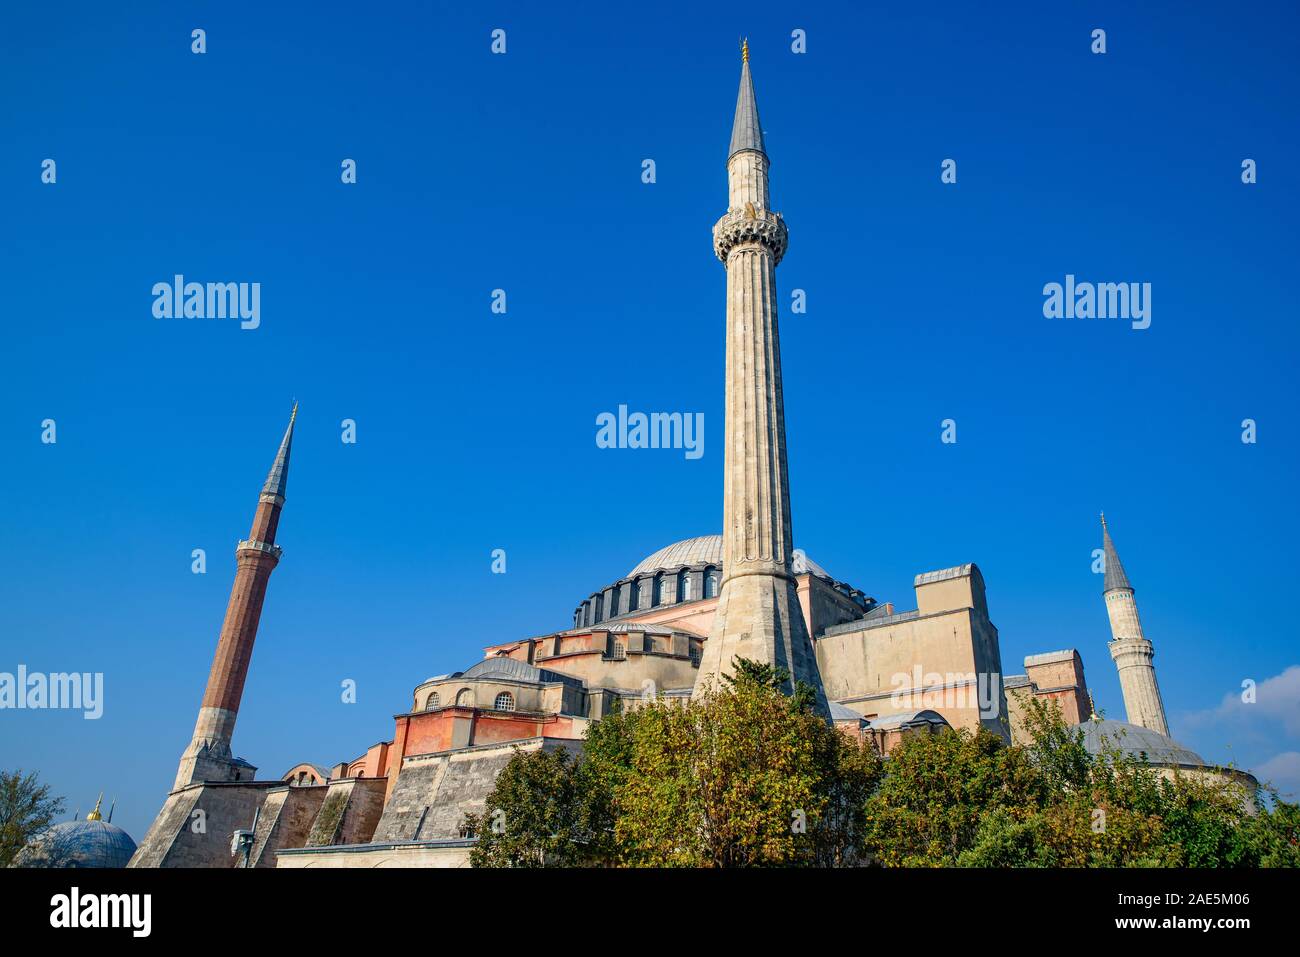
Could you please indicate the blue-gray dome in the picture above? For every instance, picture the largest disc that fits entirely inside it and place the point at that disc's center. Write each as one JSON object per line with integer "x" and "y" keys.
{"x": 1136, "y": 742}
{"x": 78, "y": 844}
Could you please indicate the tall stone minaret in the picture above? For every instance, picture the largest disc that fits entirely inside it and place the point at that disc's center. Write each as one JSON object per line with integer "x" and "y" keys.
{"x": 1132, "y": 652}
{"x": 758, "y": 614}
{"x": 208, "y": 758}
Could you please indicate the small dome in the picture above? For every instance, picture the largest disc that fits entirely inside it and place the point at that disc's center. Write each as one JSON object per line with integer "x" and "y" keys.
{"x": 1136, "y": 741}
{"x": 704, "y": 550}
{"x": 78, "y": 844}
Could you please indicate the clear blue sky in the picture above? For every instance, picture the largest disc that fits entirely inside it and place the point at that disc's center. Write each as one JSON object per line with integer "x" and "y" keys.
{"x": 476, "y": 431}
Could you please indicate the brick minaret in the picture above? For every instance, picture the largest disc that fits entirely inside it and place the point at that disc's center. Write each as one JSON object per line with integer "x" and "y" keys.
{"x": 208, "y": 758}
{"x": 759, "y": 615}
{"x": 1132, "y": 652}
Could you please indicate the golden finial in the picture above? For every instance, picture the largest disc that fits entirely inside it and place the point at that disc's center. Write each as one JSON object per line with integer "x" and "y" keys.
{"x": 744, "y": 50}
{"x": 95, "y": 815}
{"x": 1092, "y": 706}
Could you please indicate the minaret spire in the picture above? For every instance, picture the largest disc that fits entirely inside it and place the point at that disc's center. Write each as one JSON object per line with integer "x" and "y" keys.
{"x": 759, "y": 616}
{"x": 1133, "y": 654}
{"x": 208, "y": 757}
{"x": 1115, "y": 577}
{"x": 746, "y": 132}
{"x": 278, "y": 478}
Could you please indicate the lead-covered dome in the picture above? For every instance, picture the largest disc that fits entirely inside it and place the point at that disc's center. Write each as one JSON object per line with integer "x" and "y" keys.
{"x": 78, "y": 844}
{"x": 686, "y": 571}
{"x": 1137, "y": 742}
{"x": 703, "y": 550}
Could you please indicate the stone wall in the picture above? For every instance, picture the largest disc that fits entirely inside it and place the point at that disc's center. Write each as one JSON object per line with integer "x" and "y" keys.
{"x": 943, "y": 656}
{"x": 349, "y": 812}
{"x": 288, "y": 814}
{"x": 434, "y": 792}
{"x": 425, "y": 854}
{"x": 196, "y": 823}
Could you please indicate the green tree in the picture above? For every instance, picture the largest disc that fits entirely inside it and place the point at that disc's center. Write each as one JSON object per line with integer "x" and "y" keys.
{"x": 26, "y": 808}
{"x": 1272, "y": 837}
{"x": 743, "y": 777}
{"x": 750, "y": 777}
{"x": 531, "y": 818}
{"x": 935, "y": 791}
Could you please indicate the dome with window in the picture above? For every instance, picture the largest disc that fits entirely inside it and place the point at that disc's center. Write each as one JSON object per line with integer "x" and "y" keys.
{"x": 689, "y": 570}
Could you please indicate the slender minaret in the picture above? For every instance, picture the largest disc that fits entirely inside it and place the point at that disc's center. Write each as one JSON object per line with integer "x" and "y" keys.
{"x": 208, "y": 758}
{"x": 1132, "y": 652}
{"x": 758, "y": 614}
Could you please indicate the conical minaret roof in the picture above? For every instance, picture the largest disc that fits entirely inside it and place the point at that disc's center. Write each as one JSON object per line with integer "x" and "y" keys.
{"x": 278, "y": 478}
{"x": 1115, "y": 577}
{"x": 746, "y": 132}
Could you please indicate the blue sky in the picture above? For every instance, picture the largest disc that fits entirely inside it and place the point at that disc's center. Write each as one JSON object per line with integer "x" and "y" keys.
{"x": 476, "y": 431}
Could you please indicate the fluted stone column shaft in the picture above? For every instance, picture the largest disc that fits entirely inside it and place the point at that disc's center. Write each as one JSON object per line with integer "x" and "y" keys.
{"x": 756, "y": 502}
{"x": 758, "y": 616}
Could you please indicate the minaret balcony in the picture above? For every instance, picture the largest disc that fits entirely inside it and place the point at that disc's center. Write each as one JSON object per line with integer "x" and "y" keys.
{"x": 250, "y": 545}
{"x": 750, "y": 225}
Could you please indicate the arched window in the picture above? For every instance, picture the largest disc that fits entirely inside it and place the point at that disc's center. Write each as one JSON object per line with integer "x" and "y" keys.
{"x": 617, "y": 650}
{"x": 600, "y": 608}
{"x": 711, "y": 583}
{"x": 432, "y": 702}
{"x": 684, "y": 587}
{"x": 465, "y": 697}
{"x": 505, "y": 702}
{"x": 634, "y": 596}
{"x": 648, "y": 644}
{"x": 659, "y": 590}
{"x": 613, "y": 601}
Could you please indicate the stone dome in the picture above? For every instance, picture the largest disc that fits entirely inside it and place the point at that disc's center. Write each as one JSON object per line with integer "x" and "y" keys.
{"x": 1136, "y": 741}
{"x": 78, "y": 844}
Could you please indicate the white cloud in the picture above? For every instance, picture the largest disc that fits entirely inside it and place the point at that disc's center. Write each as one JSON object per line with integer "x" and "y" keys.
{"x": 1276, "y": 707}
{"x": 1283, "y": 772}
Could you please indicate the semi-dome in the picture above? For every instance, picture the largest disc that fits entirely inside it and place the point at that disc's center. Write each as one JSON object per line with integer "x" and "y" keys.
{"x": 502, "y": 667}
{"x": 1136, "y": 741}
{"x": 78, "y": 844}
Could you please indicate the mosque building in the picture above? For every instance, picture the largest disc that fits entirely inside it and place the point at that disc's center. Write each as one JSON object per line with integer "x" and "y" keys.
{"x": 671, "y": 628}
